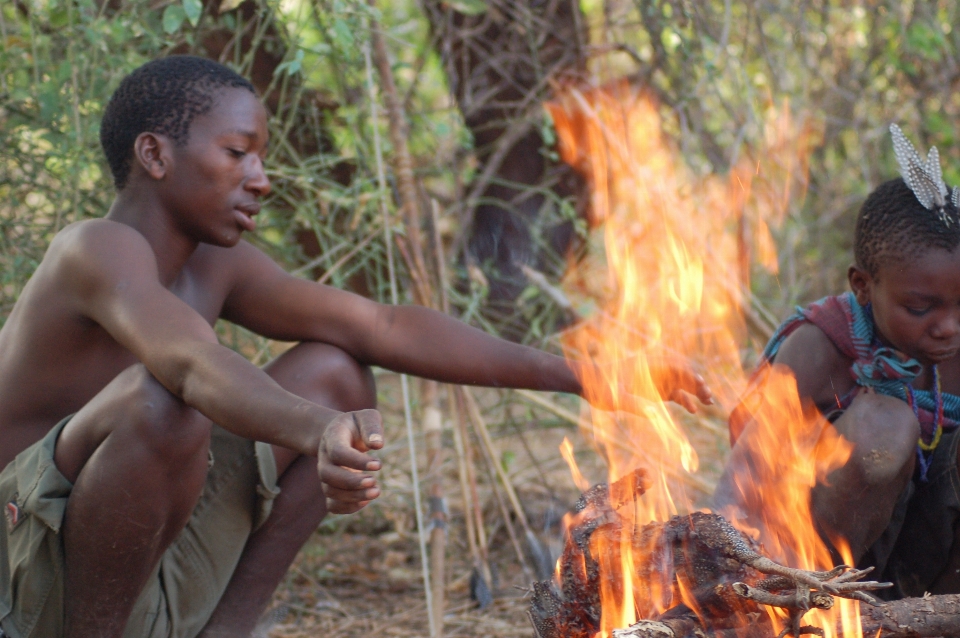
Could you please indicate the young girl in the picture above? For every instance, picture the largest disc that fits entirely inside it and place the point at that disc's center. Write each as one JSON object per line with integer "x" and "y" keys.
{"x": 881, "y": 363}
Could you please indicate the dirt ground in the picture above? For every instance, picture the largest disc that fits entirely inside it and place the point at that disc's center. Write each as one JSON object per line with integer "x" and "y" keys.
{"x": 360, "y": 575}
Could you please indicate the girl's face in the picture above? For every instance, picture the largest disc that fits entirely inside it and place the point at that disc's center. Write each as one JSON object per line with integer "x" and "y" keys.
{"x": 916, "y": 303}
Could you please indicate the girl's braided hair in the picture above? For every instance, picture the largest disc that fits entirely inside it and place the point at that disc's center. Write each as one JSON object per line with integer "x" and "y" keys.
{"x": 894, "y": 225}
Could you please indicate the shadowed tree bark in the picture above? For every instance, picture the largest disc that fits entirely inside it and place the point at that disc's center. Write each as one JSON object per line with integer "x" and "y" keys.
{"x": 502, "y": 62}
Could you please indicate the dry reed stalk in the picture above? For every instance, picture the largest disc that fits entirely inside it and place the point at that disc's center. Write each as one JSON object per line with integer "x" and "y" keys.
{"x": 473, "y": 516}
{"x": 412, "y": 251}
{"x": 432, "y": 431}
{"x": 483, "y": 433}
{"x": 490, "y": 465}
{"x": 404, "y": 383}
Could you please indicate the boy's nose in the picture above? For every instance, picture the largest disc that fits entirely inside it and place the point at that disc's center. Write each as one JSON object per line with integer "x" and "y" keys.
{"x": 258, "y": 182}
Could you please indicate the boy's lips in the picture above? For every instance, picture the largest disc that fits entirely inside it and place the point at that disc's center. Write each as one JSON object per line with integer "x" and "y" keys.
{"x": 244, "y": 216}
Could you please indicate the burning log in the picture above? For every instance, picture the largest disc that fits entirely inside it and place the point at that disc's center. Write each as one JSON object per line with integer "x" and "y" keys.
{"x": 693, "y": 573}
{"x": 914, "y": 618}
{"x": 908, "y": 618}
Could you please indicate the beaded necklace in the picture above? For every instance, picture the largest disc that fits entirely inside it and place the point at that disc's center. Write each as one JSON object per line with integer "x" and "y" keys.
{"x": 925, "y": 450}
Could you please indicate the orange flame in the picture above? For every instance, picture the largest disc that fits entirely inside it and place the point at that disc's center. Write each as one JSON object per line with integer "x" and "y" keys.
{"x": 785, "y": 464}
{"x": 566, "y": 451}
{"x": 670, "y": 276}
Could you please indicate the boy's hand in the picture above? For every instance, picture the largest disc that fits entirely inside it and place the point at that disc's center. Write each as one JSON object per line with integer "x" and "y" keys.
{"x": 343, "y": 463}
{"x": 680, "y": 384}
{"x": 675, "y": 382}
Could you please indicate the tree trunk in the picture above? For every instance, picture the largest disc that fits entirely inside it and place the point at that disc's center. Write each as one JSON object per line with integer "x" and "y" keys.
{"x": 501, "y": 65}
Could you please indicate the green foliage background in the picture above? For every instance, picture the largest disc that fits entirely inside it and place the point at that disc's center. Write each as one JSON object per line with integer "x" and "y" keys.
{"x": 852, "y": 67}
{"x": 62, "y": 59}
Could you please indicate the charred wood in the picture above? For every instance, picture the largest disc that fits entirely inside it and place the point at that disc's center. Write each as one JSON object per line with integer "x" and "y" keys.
{"x": 705, "y": 574}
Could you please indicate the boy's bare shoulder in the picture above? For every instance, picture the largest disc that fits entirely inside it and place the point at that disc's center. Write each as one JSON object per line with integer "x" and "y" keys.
{"x": 87, "y": 263}
{"x": 99, "y": 247}
{"x": 91, "y": 234}
{"x": 822, "y": 371}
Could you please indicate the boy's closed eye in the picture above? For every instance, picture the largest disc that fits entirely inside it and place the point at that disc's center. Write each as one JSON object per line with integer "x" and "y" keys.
{"x": 236, "y": 153}
{"x": 918, "y": 312}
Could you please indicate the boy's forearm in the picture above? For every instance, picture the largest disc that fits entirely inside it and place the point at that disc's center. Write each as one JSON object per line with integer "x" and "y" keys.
{"x": 241, "y": 398}
{"x": 430, "y": 344}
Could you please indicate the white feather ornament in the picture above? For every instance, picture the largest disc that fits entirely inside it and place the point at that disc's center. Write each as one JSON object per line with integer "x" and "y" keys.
{"x": 923, "y": 177}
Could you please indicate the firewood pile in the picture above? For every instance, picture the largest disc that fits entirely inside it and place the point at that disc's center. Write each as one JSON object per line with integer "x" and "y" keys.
{"x": 719, "y": 575}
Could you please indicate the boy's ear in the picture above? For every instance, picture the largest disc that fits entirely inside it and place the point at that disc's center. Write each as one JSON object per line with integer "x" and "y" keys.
{"x": 152, "y": 152}
{"x": 860, "y": 281}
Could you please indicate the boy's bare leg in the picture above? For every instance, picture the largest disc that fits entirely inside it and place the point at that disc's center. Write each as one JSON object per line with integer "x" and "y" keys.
{"x": 138, "y": 459}
{"x": 858, "y": 499}
{"x": 325, "y": 375}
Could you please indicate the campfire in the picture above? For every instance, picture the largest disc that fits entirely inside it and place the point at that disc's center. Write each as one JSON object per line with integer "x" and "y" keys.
{"x": 678, "y": 250}
{"x": 710, "y": 573}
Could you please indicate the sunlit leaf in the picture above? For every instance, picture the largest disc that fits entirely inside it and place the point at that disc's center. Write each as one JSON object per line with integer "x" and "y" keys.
{"x": 290, "y": 67}
{"x": 342, "y": 33}
{"x": 507, "y": 459}
{"x": 193, "y": 9}
{"x": 468, "y": 7}
{"x": 59, "y": 17}
{"x": 173, "y": 17}
{"x": 229, "y": 5}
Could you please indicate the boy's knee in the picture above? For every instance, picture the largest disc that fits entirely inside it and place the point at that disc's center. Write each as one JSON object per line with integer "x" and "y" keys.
{"x": 332, "y": 373}
{"x": 884, "y": 431}
{"x": 163, "y": 422}
{"x": 352, "y": 381}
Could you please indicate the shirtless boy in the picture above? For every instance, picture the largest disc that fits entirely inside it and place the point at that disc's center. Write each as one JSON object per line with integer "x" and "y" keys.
{"x": 882, "y": 363}
{"x": 127, "y": 512}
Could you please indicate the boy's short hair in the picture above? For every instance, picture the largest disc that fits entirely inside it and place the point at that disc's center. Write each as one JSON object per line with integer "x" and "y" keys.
{"x": 163, "y": 96}
{"x": 893, "y": 224}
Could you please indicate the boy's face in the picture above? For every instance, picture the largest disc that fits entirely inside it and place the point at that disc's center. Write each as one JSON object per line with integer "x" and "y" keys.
{"x": 916, "y": 303}
{"x": 217, "y": 178}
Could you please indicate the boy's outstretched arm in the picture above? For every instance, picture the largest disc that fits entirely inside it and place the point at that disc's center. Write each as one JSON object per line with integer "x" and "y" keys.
{"x": 409, "y": 339}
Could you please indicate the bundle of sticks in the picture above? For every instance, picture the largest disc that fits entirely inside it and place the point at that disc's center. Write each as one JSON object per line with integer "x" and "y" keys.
{"x": 719, "y": 575}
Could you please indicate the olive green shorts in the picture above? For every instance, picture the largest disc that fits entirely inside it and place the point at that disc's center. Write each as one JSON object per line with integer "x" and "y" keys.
{"x": 193, "y": 573}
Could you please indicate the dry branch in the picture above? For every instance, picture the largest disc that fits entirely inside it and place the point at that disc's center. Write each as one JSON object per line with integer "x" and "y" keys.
{"x": 492, "y": 456}
{"x": 412, "y": 251}
{"x": 473, "y": 513}
{"x": 403, "y": 168}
